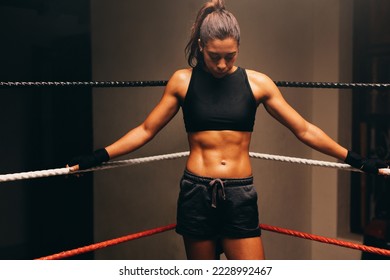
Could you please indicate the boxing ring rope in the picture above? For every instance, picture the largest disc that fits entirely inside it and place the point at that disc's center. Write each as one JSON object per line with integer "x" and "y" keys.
{"x": 109, "y": 84}
{"x": 114, "y": 164}
{"x": 121, "y": 163}
{"x": 116, "y": 241}
{"x": 112, "y": 242}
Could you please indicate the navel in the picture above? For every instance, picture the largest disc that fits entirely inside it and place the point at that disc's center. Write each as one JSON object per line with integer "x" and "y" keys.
{"x": 223, "y": 162}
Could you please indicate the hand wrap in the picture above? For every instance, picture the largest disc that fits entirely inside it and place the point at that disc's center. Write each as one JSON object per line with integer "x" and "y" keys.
{"x": 368, "y": 165}
{"x": 87, "y": 161}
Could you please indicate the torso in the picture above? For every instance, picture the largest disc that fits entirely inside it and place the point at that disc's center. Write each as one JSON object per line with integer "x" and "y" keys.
{"x": 218, "y": 153}
{"x": 225, "y": 103}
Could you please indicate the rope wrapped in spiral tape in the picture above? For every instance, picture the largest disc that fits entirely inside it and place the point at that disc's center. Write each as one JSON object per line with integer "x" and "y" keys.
{"x": 88, "y": 84}
{"x": 333, "y": 85}
{"x": 109, "y": 84}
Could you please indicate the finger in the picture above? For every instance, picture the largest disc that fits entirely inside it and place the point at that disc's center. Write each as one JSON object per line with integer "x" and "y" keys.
{"x": 74, "y": 168}
{"x": 384, "y": 171}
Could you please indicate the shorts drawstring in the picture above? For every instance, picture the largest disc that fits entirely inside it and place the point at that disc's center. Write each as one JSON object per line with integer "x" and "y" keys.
{"x": 218, "y": 186}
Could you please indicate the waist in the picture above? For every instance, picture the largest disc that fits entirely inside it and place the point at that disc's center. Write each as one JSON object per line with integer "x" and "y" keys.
{"x": 228, "y": 182}
{"x": 219, "y": 154}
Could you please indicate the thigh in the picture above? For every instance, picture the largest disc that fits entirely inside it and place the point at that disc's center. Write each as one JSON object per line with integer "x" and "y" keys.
{"x": 240, "y": 213}
{"x": 200, "y": 249}
{"x": 195, "y": 217}
{"x": 243, "y": 248}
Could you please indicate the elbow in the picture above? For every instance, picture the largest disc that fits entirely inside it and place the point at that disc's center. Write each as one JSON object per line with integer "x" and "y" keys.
{"x": 303, "y": 134}
{"x": 147, "y": 132}
{"x": 301, "y": 137}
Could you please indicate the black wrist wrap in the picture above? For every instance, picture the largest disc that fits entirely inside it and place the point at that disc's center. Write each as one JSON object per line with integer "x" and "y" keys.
{"x": 370, "y": 165}
{"x": 96, "y": 158}
{"x": 101, "y": 155}
{"x": 354, "y": 160}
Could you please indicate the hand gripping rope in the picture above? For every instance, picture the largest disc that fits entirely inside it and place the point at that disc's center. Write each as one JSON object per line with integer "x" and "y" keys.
{"x": 122, "y": 163}
{"x": 114, "y": 164}
{"x": 100, "y": 245}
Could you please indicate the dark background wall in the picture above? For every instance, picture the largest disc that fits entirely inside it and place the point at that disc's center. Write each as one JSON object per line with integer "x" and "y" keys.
{"x": 42, "y": 128}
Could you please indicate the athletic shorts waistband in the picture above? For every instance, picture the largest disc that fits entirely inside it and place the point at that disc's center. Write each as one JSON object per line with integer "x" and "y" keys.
{"x": 228, "y": 182}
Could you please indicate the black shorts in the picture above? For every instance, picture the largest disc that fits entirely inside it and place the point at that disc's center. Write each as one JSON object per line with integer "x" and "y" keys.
{"x": 211, "y": 208}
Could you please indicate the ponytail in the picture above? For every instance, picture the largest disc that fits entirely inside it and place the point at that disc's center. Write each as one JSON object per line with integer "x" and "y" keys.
{"x": 213, "y": 21}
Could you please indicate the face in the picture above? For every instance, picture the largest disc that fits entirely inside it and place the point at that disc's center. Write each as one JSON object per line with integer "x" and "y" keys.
{"x": 220, "y": 56}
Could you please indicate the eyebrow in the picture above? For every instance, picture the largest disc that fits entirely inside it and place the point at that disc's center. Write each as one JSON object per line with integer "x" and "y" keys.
{"x": 215, "y": 53}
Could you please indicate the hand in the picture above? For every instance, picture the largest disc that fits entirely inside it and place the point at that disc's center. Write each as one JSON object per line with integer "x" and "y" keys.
{"x": 88, "y": 161}
{"x": 73, "y": 168}
{"x": 369, "y": 165}
{"x": 384, "y": 171}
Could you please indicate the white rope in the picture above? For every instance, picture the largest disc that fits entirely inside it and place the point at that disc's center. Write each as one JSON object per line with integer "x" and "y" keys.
{"x": 311, "y": 162}
{"x": 34, "y": 174}
{"x": 107, "y": 165}
{"x": 121, "y": 163}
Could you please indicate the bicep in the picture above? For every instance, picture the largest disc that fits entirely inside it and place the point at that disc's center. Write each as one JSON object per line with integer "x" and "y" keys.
{"x": 168, "y": 106}
{"x": 279, "y": 108}
{"x": 162, "y": 113}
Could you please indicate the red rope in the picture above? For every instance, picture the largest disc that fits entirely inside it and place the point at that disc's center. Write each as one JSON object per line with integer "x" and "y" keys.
{"x": 322, "y": 239}
{"x": 93, "y": 247}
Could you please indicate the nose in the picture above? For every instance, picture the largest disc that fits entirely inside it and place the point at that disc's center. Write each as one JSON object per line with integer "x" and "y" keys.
{"x": 221, "y": 65}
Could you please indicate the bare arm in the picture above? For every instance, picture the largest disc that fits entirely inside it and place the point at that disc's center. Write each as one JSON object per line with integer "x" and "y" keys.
{"x": 165, "y": 110}
{"x": 268, "y": 93}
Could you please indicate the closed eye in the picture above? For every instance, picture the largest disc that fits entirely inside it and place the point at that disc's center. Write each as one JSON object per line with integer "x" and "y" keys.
{"x": 228, "y": 57}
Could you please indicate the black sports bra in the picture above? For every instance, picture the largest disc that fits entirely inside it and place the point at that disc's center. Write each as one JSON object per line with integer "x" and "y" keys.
{"x": 219, "y": 103}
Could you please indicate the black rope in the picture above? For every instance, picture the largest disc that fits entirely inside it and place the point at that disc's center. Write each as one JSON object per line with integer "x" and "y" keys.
{"x": 333, "y": 85}
{"x": 102, "y": 84}
{"x": 116, "y": 84}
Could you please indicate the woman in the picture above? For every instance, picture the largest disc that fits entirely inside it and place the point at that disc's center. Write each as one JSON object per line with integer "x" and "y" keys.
{"x": 217, "y": 203}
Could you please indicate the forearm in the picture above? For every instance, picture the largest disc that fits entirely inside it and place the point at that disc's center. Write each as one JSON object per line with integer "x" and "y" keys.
{"x": 320, "y": 141}
{"x": 130, "y": 142}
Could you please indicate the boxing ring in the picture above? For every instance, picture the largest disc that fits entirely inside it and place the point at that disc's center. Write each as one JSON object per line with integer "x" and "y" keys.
{"x": 123, "y": 163}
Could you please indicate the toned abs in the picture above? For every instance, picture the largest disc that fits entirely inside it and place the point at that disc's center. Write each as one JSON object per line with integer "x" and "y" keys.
{"x": 219, "y": 154}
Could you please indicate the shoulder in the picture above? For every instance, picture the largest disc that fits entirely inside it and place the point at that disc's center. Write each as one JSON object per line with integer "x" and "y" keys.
{"x": 181, "y": 76}
{"x": 259, "y": 79}
{"x": 261, "y": 84}
{"x": 179, "y": 81}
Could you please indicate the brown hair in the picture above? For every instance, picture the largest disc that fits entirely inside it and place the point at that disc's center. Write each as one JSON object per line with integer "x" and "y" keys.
{"x": 212, "y": 22}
